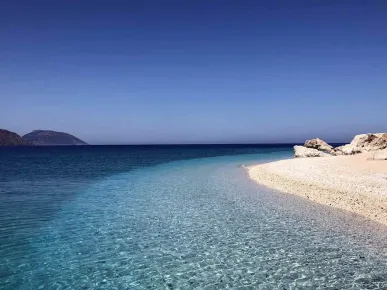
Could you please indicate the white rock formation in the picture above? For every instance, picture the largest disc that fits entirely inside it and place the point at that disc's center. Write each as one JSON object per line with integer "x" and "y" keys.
{"x": 347, "y": 149}
{"x": 302, "y": 152}
{"x": 364, "y": 143}
{"x": 371, "y": 142}
{"x": 380, "y": 142}
{"x": 319, "y": 144}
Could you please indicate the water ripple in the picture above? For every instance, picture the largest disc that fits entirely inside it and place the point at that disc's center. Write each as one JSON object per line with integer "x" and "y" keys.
{"x": 198, "y": 224}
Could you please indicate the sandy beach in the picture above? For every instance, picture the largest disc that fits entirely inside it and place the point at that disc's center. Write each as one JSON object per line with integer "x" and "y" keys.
{"x": 351, "y": 183}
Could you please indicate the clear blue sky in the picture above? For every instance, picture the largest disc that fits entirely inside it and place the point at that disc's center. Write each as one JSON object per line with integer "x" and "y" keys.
{"x": 212, "y": 71}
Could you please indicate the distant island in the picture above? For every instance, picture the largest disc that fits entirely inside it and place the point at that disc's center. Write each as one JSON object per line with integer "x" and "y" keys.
{"x": 39, "y": 138}
{"x": 52, "y": 138}
{"x": 8, "y": 138}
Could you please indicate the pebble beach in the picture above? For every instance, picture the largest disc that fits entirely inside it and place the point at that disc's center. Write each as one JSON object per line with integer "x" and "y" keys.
{"x": 351, "y": 183}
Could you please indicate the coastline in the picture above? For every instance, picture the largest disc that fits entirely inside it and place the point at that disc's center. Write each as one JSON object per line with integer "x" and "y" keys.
{"x": 351, "y": 183}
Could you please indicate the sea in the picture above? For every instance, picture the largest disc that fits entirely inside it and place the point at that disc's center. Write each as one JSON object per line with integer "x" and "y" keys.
{"x": 172, "y": 217}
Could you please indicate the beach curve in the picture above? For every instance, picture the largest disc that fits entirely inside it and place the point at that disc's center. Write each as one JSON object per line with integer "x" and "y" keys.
{"x": 350, "y": 183}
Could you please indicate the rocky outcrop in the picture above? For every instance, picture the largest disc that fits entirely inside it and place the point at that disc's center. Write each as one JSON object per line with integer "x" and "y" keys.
{"x": 302, "y": 152}
{"x": 8, "y": 138}
{"x": 320, "y": 145}
{"x": 314, "y": 148}
{"x": 364, "y": 143}
{"x": 52, "y": 138}
{"x": 380, "y": 142}
{"x": 371, "y": 142}
{"x": 378, "y": 155}
{"x": 347, "y": 149}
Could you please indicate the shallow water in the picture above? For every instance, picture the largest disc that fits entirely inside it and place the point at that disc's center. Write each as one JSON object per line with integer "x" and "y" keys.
{"x": 188, "y": 224}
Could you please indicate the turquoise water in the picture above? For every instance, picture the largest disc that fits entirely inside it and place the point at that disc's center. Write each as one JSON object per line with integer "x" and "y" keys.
{"x": 177, "y": 221}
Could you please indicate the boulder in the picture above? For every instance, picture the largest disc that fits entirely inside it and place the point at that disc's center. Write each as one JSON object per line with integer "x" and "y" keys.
{"x": 361, "y": 140}
{"x": 302, "y": 152}
{"x": 378, "y": 155}
{"x": 347, "y": 149}
{"x": 361, "y": 143}
{"x": 364, "y": 143}
{"x": 337, "y": 152}
{"x": 380, "y": 142}
{"x": 319, "y": 145}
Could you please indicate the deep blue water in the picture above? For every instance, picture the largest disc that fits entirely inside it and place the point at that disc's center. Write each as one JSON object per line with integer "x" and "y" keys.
{"x": 172, "y": 217}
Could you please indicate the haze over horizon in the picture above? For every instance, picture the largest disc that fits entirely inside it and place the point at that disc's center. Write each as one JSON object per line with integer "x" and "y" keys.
{"x": 148, "y": 72}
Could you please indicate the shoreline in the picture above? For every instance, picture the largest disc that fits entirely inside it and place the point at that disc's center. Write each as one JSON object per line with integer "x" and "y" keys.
{"x": 350, "y": 183}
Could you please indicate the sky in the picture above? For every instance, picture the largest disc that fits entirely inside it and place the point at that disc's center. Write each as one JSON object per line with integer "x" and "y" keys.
{"x": 203, "y": 71}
